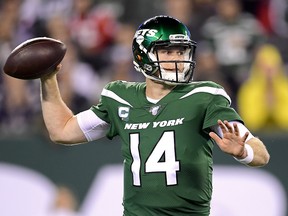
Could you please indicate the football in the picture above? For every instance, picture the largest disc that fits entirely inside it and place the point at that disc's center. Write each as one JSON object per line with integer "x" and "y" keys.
{"x": 35, "y": 58}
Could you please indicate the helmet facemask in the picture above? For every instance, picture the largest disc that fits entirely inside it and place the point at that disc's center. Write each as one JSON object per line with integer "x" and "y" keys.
{"x": 172, "y": 71}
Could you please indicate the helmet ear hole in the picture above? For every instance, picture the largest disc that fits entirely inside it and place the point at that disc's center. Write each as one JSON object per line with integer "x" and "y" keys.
{"x": 138, "y": 57}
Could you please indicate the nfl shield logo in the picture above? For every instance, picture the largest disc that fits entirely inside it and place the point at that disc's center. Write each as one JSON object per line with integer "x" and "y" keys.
{"x": 154, "y": 110}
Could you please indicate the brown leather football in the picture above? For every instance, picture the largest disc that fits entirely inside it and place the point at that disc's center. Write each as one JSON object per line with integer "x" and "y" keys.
{"x": 35, "y": 58}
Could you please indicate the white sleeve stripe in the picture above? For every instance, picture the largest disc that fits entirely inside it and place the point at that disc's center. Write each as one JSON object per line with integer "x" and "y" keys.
{"x": 210, "y": 90}
{"x": 114, "y": 96}
{"x": 92, "y": 126}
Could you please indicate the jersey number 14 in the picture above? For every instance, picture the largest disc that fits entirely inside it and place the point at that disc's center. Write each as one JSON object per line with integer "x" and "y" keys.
{"x": 164, "y": 147}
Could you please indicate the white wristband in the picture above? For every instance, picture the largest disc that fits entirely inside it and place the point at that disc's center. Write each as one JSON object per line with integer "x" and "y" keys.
{"x": 250, "y": 155}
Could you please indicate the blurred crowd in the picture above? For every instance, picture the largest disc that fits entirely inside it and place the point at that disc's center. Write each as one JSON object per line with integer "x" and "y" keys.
{"x": 242, "y": 45}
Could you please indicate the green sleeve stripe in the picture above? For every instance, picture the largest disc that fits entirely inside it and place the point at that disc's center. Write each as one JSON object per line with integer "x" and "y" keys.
{"x": 112, "y": 95}
{"x": 209, "y": 90}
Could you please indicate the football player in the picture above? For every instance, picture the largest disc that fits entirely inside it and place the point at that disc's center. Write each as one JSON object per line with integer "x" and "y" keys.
{"x": 168, "y": 125}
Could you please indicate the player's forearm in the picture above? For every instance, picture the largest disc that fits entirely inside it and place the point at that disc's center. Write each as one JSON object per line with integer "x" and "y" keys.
{"x": 261, "y": 155}
{"x": 55, "y": 112}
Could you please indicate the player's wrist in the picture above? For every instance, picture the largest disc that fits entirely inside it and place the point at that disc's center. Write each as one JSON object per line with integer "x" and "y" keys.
{"x": 249, "y": 155}
{"x": 243, "y": 155}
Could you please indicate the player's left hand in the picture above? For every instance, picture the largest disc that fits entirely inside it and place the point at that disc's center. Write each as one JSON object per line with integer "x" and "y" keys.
{"x": 231, "y": 142}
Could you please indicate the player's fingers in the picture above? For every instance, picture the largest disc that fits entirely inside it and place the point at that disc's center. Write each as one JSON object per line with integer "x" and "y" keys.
{"x": 222, "y": 126}
{"x": 215, "y": 137}
{"x": 236, "y": 129}
{"x": 58, "y": 68}
{"x": 244, "y": 138}
{"x": 228, "y": 126}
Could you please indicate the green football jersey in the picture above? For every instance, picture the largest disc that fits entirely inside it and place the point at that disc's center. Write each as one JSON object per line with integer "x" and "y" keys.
{"x": 166, "y": 147}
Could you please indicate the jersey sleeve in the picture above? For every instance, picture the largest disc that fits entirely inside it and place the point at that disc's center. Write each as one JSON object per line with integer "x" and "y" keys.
{"x": 103, "y": 111}
{"x": 219, "y": 108}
